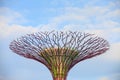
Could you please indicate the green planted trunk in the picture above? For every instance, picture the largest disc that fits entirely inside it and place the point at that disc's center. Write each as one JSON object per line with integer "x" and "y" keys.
{"x": 59, "y": 78}
{"x": 59, "y": 72}
{"x": 59, "y": 61}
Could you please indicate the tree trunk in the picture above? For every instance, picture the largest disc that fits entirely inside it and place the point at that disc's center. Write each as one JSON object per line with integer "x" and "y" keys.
{"x": 59, "y": 78}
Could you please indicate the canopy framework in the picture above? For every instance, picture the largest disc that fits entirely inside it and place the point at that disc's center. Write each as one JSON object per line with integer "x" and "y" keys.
{"x": 59, "y": 51}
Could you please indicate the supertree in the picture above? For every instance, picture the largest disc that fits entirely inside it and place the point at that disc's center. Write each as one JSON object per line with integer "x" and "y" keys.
{"x": 59, "y": 51}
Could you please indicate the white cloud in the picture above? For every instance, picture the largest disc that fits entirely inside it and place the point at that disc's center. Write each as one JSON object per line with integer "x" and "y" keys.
{"x": 48, "y": 27}
{"x": 113, "y": 54}
{"x": 9, "y": 16}
{"x": 87, "y": 11}
{"x": 101, "y": 26}
{"x": 14, "y": 30}
{"x": 93, "y": 19}
{"x": 67, "y": 17}
{"x": 116, "y": 30}
{"x": 5, "y": 78}
{"x": 115, "y": 76}
{"x": 10, "y": 23}
{"x": 89, "y": 17}
{"x": 104, "y": 78}
{"x": 115, "y": 13}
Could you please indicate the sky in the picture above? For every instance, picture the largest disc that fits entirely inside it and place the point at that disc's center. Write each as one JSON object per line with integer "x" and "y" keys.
{"x": 99, "y": 17}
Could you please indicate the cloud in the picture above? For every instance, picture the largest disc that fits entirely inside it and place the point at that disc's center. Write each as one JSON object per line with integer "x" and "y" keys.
{"x": 113, "y": 54}
{"x": 104, "y": 78}
{"x": 14, "y": 29}
{"x": 115, "y": 76}
{"x": 10, "y": 23}
{"x": 48, "y": 27}
{"x": 89, "y": 17}
{"x": 67, "y": 17}
{"x": 10, "y": 16}
{"x": 5, "y": 78}
{"x": 94, "y": 19}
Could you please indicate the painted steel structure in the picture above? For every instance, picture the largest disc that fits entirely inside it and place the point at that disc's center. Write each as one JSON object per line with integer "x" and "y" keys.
{"x": 59, "y": 51}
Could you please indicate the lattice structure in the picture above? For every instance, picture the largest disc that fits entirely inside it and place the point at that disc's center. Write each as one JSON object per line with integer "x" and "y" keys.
{"x": 59, "y": 51}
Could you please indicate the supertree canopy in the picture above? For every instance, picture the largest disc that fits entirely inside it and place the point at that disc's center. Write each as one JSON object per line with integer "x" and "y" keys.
{"x": 59, "y": 51}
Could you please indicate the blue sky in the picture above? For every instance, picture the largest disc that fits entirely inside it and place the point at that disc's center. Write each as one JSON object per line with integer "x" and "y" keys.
{"x": 19, "y": 17}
